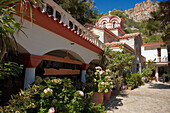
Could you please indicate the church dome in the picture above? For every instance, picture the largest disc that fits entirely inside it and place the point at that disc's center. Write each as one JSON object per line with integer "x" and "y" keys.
{"x": 110, "y": 22}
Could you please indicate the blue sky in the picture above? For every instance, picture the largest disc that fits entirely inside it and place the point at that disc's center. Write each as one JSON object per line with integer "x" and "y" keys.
{"x": 105, "y": 5}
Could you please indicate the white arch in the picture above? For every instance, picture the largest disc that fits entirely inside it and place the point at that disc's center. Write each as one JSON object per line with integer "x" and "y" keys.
{"x": 41, "y": 41}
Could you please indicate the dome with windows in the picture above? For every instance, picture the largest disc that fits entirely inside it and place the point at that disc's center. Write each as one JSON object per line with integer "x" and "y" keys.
{"x": 110, "y": 22}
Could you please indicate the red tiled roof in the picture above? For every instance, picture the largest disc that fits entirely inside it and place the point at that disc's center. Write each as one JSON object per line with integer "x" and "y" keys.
{"x": 117, "y": 44}
{"x": 129, "y": 35}
{"x": 148, "y": 44}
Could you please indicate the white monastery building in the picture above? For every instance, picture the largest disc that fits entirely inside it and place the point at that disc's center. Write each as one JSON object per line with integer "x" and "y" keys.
{"x": 109, "y": 30}
{"x": 63, "y": 47}
{"x": 158, "y": 54}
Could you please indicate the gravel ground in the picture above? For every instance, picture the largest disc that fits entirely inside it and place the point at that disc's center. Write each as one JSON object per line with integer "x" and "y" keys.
{"x": 150, "y": 98}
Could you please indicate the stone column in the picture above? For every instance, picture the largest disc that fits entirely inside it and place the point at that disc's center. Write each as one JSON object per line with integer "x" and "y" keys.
{"x": 84, "y": 67}
{"x": 30, "y": 62}
{"x": 140, "y": 68}
{"x": 156, "y": 74}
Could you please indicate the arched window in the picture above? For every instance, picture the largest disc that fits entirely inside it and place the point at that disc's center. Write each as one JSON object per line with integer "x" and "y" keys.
{"x": 114, "y": 24}
{"x": 104, "y": 24}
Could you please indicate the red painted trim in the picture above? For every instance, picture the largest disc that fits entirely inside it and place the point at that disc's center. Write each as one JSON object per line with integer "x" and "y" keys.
{"x": 85, "y": 66}
{"x": 125, "y": 38}
{"x": 50, "y": 24}
{"x": 110, "y": 33}
{"x": 30, "y": 61}
{"x": 148, "y": 44}
{"x": 124, "y": 45}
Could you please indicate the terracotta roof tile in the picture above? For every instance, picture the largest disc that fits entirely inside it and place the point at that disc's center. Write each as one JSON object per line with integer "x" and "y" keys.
{"x": 129, "y": 35}
{"x": 148, "y": 44}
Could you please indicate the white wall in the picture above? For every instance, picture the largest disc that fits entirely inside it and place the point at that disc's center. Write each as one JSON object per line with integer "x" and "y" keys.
{"x": 129, "y": 42}
{"x": 41, "y": 41}
{"x": 100, "y": 33}
{"x": 116, "y": 32}
{"x": 151, "y": 53}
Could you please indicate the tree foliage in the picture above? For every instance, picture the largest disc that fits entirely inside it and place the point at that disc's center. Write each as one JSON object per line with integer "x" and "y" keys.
{"x": 160, "y": 21}
{"x": 116, "y": 61}
{"x": 83, "y": 11}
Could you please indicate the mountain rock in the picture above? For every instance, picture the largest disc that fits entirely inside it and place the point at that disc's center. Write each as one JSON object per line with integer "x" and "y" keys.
{"x": 142, "y": 10}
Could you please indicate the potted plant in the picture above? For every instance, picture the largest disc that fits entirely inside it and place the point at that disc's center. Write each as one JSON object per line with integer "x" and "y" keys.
{"x": 109, "y": 85}
{"x": 101, "y": 84}
{"x": 118, "y": 82}
{"x": 130, "y": 85}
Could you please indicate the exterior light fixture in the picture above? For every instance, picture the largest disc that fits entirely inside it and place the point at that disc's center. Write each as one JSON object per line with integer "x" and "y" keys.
{"x": 72, "y": 43}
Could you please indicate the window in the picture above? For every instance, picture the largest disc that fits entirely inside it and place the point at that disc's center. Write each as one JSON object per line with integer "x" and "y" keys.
{"x": 159, "y": 52}
{"x": 104, "y": 24}
{"x": 114, "y": 24}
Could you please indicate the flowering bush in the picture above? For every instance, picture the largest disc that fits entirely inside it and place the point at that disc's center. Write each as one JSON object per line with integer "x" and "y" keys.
{"x": 100, "y": 80}
{"x": 51, "y": 96}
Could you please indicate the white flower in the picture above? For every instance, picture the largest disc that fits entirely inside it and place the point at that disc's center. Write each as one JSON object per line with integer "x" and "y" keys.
{"x": 107, "y": 70}
{"x": 81, "y": 93}
{"x": 94, "y": 80}
{"x": 111, "y": 86}
{"x": 48, "y": 90}
{"x": 51, "y": 110}
{"x": 57, "y": 81}
{"x": 102, "y": 83}
{"x": 98, "y": 67}
{"x": 97, "y": 70}
{"x": 106, "y": 91}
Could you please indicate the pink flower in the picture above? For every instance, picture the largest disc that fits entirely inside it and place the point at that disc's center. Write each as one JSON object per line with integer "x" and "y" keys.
{"x": 100, "y": 90}
{"x": 106, "y": 83}
{"x": 93, "y": 106}
{"x": 81, "y": 93}
{"x": 51, "y": 110}
{"x": 101, "y": 72}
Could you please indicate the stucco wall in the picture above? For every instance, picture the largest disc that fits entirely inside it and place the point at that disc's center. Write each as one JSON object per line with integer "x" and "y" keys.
{"x": 41, "y": 41}
{"x": 151, "y": 53}
{"x": 129, "y": 42}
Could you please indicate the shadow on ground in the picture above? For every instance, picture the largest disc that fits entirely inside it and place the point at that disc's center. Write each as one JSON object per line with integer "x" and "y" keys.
{"x": 159, "y": 86}
{"x": 114, "y": 101}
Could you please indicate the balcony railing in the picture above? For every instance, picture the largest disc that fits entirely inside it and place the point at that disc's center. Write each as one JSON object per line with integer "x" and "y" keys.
{"x": 164, "y": 59}
{"x": 67, "y": 19}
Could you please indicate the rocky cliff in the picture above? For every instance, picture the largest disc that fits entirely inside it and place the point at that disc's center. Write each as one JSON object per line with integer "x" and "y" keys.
{"x": 142, "y": 10}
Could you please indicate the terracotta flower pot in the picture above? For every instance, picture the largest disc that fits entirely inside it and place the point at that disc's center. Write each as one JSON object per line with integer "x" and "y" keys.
{"x": 129, "y": 88}
{"x": 107, "y": 95}
{"x": 97, "y": 98}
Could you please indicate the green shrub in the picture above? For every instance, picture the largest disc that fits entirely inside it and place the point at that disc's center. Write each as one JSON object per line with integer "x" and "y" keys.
{"x": 134, "y": 78}
{"x": 147, "y": 72}
{"x": 100, "y": 80}
{"x": 58, "y": 95}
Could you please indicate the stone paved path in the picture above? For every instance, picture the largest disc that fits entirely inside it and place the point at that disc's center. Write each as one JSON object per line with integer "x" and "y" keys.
{"x": 150, "y": 98}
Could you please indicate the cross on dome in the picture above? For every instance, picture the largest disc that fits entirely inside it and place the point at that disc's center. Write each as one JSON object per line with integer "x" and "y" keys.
{"x": 109, "y": 12}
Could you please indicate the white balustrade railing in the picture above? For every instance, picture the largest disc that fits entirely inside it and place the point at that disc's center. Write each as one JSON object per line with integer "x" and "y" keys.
{"x": 162, "y": 59}
{"x": 67, "y": 18}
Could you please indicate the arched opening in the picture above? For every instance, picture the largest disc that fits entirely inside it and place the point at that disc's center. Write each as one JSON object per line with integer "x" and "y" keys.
{"x": 114, "y": 24}
{"x": 104, "y": 24}
{"x": 60, "y": 64}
